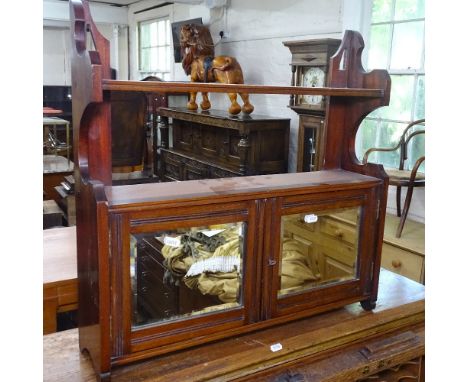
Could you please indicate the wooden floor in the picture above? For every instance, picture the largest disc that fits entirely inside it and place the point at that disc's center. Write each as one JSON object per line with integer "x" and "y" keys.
{"x": 412, "y": 238}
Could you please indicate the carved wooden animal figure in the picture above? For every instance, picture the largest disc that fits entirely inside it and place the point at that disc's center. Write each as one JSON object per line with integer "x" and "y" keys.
{"x": 199, "y": 62}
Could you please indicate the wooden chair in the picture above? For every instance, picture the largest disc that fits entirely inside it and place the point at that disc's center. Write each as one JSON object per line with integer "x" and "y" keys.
{"x": 404, "y": 176}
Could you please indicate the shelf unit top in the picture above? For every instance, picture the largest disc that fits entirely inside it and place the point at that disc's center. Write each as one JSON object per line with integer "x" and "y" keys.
{"x": 245, "y": 187}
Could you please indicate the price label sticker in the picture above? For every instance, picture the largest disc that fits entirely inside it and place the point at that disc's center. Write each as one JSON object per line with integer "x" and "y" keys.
{"x": 311, "y": 218}
{"x": 212, "y": 232}
{"x": 276, "y": 347}
{"x": 172, "y": 241}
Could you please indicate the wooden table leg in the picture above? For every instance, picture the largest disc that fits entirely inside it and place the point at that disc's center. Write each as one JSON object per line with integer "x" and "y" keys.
{"x": 50, "y": 305}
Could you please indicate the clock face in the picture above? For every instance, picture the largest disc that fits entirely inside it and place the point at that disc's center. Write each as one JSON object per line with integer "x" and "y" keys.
{"x": 313, "y": 77}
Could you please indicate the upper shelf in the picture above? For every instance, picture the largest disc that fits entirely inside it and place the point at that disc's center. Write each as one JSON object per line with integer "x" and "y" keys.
{"x": 185, "y": 87}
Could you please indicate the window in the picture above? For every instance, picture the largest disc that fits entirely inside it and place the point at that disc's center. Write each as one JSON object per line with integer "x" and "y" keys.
{"x": 154, "y": 55}
{"x": 396, "y": 44}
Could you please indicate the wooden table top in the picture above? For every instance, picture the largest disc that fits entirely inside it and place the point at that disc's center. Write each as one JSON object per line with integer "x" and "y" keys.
{"x": 54, "y": 121}
{"x": 55, "y": 164}
{"x": 59, "y": 259}
{"x": 46, "y": 111}
{"x": 400, "y": 306}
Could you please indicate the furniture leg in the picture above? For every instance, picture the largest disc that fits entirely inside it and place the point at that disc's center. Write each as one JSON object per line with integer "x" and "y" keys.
{"x": 192, "y": 104}
{"x": 247, "y": 107}
{"x": 55, "y": 136}
{"x": 406, "y": 207}
{"x": 50, "y": 304}
{"x": 67, "y": 131}
{"x": 205, "y": 104}
{"x": 235, "y": 107}
{"x": 398, "y": 200}
{"x": 243, "y": 147}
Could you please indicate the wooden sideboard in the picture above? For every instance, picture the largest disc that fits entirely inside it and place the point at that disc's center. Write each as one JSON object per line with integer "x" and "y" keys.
{"x": 60, "y": 279}
{"x": 214, "y": 144}
{"x": 404, "y": 255}
{"x": 347, "y": 344}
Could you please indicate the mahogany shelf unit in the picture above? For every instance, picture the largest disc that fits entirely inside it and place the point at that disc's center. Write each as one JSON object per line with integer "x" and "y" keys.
{"x": 255, "y": 251}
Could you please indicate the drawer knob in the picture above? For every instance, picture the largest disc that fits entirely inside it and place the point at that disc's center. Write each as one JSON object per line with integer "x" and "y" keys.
{"x": 339, "y": 233}
{"x": 396, "y": 263}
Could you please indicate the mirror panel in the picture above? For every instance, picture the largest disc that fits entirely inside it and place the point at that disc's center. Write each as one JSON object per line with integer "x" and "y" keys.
{"x": 182, "y": 273}
{"x": 318, "y": 248}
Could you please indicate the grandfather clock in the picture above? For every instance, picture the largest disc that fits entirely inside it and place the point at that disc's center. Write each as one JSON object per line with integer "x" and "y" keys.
{"x": 309, "y": 67}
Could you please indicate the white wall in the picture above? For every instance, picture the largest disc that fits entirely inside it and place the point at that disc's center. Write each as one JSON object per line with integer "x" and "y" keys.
{"x": 111, "y": 22}
{"x": 255, "y": 31}
{"x": 56, "y": 48}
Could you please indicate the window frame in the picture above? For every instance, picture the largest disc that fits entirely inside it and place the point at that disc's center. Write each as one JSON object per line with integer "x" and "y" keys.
{"x": 159, "y": 72}
{"x": 417, "y": 73}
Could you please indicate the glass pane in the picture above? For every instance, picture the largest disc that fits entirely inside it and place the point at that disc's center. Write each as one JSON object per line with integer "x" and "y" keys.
{"x": 168, "y": 32}
{"x": 145, "y": 60}
{"x": 168, "y": 57}
{"x": 401, "y": 99}
{"x": 380, "y": 134}
{"x": 144, "y": 35}
{"x": 381, "y": 10}
{"x": 379, "y": 48}
{"x": 318, "y": 248}
{"x": 407, "y": 45}
{"x": 409, "y": 9}
{"x": 162, "y": 58}
{"x": 161, "y": 36}
{"x": 420, "y": 109}
{"x": 154, "y": 33}
{"x": 186, "y": 272}
{"x": 154, "y": 59}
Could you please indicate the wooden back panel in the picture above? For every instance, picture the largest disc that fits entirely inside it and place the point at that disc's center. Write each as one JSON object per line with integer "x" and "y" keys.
{"x": 128, "y": 120}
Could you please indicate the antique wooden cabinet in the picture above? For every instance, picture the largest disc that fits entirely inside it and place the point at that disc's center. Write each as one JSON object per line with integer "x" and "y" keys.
{"x": 166, "y": 266}
{"x": 214, "y": 144}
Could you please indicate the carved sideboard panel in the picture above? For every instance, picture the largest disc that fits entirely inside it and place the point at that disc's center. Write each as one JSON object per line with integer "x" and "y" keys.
{"x": 214, "y": 145}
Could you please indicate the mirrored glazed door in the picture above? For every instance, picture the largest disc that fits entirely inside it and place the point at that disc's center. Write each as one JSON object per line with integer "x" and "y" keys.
{"x": 318, "y": 253}
{"x": 186, "y": 272}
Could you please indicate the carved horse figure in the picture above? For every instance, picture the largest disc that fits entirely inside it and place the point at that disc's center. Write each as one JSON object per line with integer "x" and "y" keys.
{"x": 200, "y": 63}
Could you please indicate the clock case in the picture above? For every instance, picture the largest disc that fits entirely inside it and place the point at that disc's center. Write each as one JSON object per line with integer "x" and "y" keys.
{"x": 109, "y": 217}
{"x": 307, "y": 54}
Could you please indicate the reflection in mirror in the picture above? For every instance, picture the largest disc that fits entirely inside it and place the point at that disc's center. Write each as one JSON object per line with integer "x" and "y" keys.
{"x": 186, "y": 272}
{"x": 318, "y": 248}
